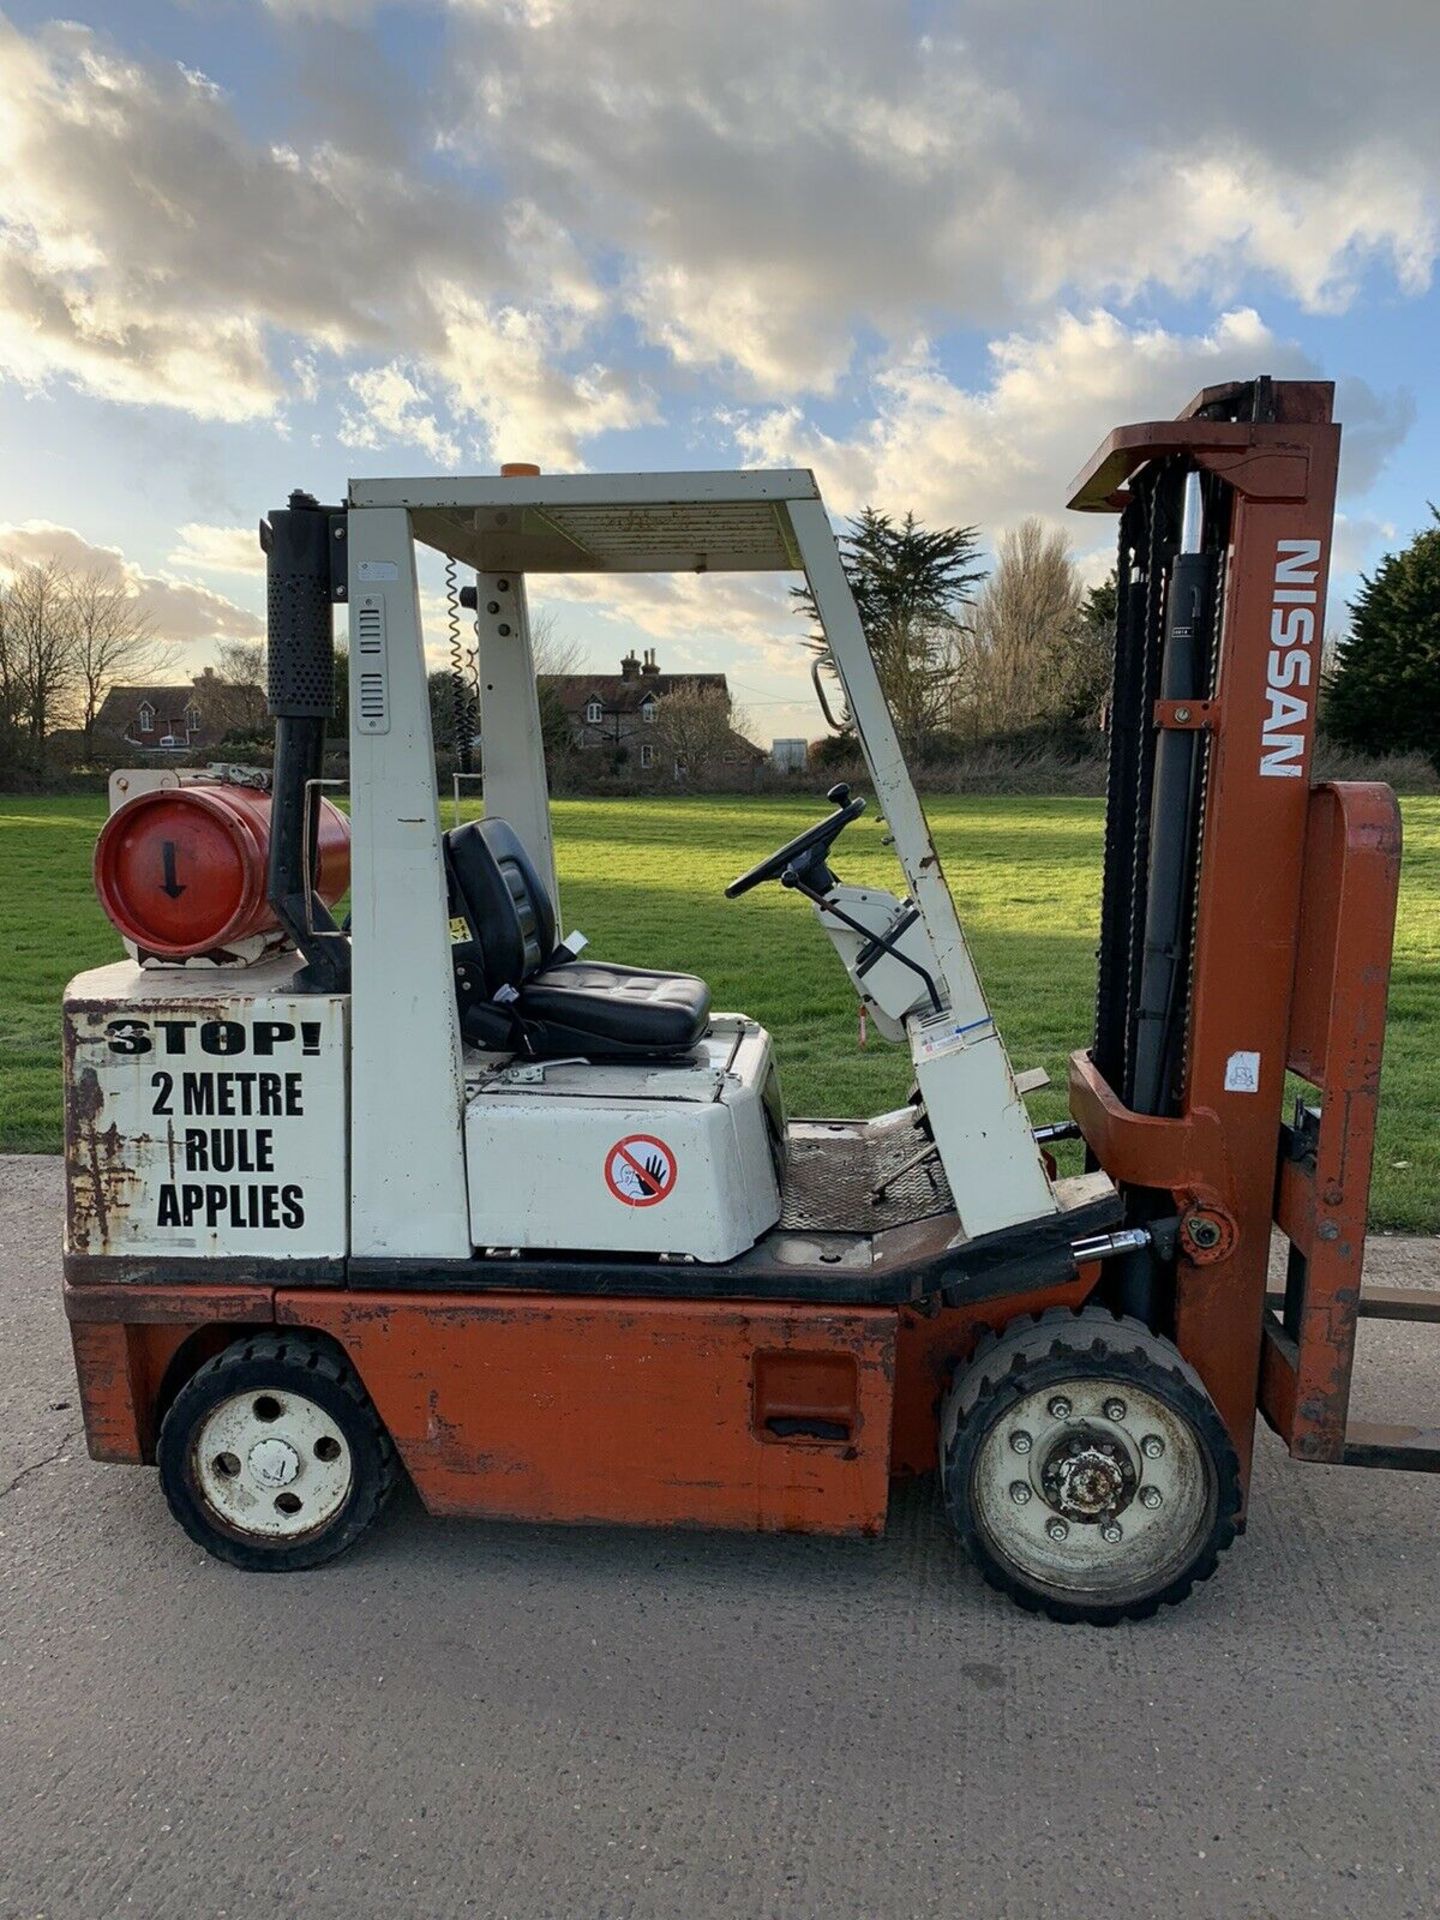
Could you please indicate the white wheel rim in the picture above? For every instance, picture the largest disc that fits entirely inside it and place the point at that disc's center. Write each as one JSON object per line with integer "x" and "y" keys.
{"x": 1095, "y": 1488}
{"x": 271, "y": 1464}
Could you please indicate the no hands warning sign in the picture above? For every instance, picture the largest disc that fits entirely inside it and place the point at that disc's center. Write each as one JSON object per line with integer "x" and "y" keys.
{"x": 640, "y": 1170}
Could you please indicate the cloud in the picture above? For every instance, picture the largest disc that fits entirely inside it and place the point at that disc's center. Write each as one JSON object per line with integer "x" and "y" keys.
{"x": 1008, "y": 447}
{"x": 783, "y": 184}
{"x": 210, "y": 549}
{"x": 394, "y": 407}
{"x": 751, "y": 325}
{"x": 179, "y": 609}
{"x": 345, "y": 12}
{"x": 766, "y": 199}
{"x": 1372, "y": 426}
{"x": 501, "y": 371}
{"x": 152, "y": 253}
{"x": 137, "y": 252}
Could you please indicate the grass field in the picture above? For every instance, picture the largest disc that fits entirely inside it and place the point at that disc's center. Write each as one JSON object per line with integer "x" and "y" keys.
{"x": 643, "y": 879}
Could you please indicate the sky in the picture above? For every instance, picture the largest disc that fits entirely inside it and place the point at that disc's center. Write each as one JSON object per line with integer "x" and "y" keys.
{"x": 934, "y": 249}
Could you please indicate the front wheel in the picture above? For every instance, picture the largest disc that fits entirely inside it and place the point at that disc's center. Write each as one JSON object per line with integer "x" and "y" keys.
{"x": 272, "y": 1456}
{"x": 1086, "y": 1468}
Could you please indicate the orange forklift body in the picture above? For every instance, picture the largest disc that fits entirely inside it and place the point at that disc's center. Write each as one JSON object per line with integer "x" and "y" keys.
{"x": 524, "y": 1407}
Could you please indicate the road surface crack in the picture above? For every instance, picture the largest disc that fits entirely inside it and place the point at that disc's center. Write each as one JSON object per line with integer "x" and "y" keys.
{"x": 35, "y": 1465}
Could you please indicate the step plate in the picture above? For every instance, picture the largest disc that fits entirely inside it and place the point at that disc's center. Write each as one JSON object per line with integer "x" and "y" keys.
{"x": 836, "y": 1167}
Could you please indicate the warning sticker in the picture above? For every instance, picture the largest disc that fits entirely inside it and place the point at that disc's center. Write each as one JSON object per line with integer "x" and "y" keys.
{"x": 640, "y": 1170}
{"x": 1242, "y": 1073}
{"x": 941, "y": 1033}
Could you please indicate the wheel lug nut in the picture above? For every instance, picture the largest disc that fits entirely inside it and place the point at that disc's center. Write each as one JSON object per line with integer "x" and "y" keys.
{"x": 1059, "y": 1408}
{"x": 1020, "y": 1441}
{"x": 1111, "y": 1533}
{"x": 1019, "y": 1492}
{"x": 1152, "y": 1446}
{"x": 1151, "y": 1497}
{"x": 1057, "y": 1529}
{"x": 1115, "y": 1410}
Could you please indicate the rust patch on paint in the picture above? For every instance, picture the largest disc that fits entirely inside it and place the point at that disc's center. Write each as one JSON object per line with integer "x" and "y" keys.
{"x": 99, "y": 1181}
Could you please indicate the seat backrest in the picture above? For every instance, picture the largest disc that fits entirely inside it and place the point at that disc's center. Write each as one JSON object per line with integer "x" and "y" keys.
{"x": 502, "y": 900}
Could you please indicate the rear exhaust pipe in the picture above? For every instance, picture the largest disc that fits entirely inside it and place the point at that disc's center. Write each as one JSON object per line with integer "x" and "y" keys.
{"x": 299, "y": 542}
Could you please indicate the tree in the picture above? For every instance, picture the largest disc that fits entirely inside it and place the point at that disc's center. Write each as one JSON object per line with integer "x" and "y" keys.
{"x": 239, "y": 693}
{"x": 113, "y": 640}
{"x": 11, "y": 700}
{"x": 695, "y": 729}
{"x": 1101, "y": 606}
{"x": 553, "y": 654}
{"x": 1026, "y": 623}
{"x": 454, "y": 719}
{"x": 557, "y": 729}
{"x": 1091, "y": 653}
{"x": 339, "y": 729}
{"x": 68, "y": 636}
{"x": 552, "y": 650}
{"x": 1384, "y": 695}
{"x": 38, "y": 678}
{"x": 910, "y": 585}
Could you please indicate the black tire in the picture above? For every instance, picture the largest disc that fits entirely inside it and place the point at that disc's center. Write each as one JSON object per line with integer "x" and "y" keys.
{"x": 297, "y": 1371}
{"x": 1095, "y": 1353}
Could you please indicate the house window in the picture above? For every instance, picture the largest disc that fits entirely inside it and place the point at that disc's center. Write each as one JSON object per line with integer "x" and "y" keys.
{"x": 147, "y": 716}
{"x": 647, "y": 755}
{"x": 192, "y": 717}
{"x": 594, "y": 712}
{"x": 648, "y": 710}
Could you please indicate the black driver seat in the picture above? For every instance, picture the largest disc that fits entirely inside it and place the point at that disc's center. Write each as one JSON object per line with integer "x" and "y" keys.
{"x": 518, "y": 989}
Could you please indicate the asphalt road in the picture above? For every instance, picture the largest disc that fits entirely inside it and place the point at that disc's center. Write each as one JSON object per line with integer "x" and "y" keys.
{"x": 547, "y": 1724}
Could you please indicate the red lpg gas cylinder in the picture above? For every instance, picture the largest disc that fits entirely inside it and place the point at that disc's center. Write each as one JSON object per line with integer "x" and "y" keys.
{"x": 181, "y": 871}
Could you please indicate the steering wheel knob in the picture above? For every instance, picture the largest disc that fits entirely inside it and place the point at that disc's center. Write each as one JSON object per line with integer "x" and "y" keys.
{"x": 839, "y": 796}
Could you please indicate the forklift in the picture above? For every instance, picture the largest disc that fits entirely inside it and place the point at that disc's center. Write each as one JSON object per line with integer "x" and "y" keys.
{"x": 434, "y": 1192}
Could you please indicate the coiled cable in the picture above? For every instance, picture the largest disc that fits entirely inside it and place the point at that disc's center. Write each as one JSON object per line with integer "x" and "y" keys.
{"x": 459, "y": 692}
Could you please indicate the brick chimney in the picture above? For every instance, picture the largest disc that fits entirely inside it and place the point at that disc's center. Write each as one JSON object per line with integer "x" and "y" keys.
{"x": 630, "y": 666}
{"x": 649, "y": 669}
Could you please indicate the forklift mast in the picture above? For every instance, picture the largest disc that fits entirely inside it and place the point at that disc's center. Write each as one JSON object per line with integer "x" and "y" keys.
{"x": 1246, "y": 917}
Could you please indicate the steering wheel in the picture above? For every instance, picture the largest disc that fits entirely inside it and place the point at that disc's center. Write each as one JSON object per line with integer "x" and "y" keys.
{"x": 807, "y": 851}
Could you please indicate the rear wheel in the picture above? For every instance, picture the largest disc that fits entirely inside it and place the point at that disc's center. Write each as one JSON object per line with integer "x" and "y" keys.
{"x": 272, "y": 1456}
{"x": 1086, "y": 1468}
